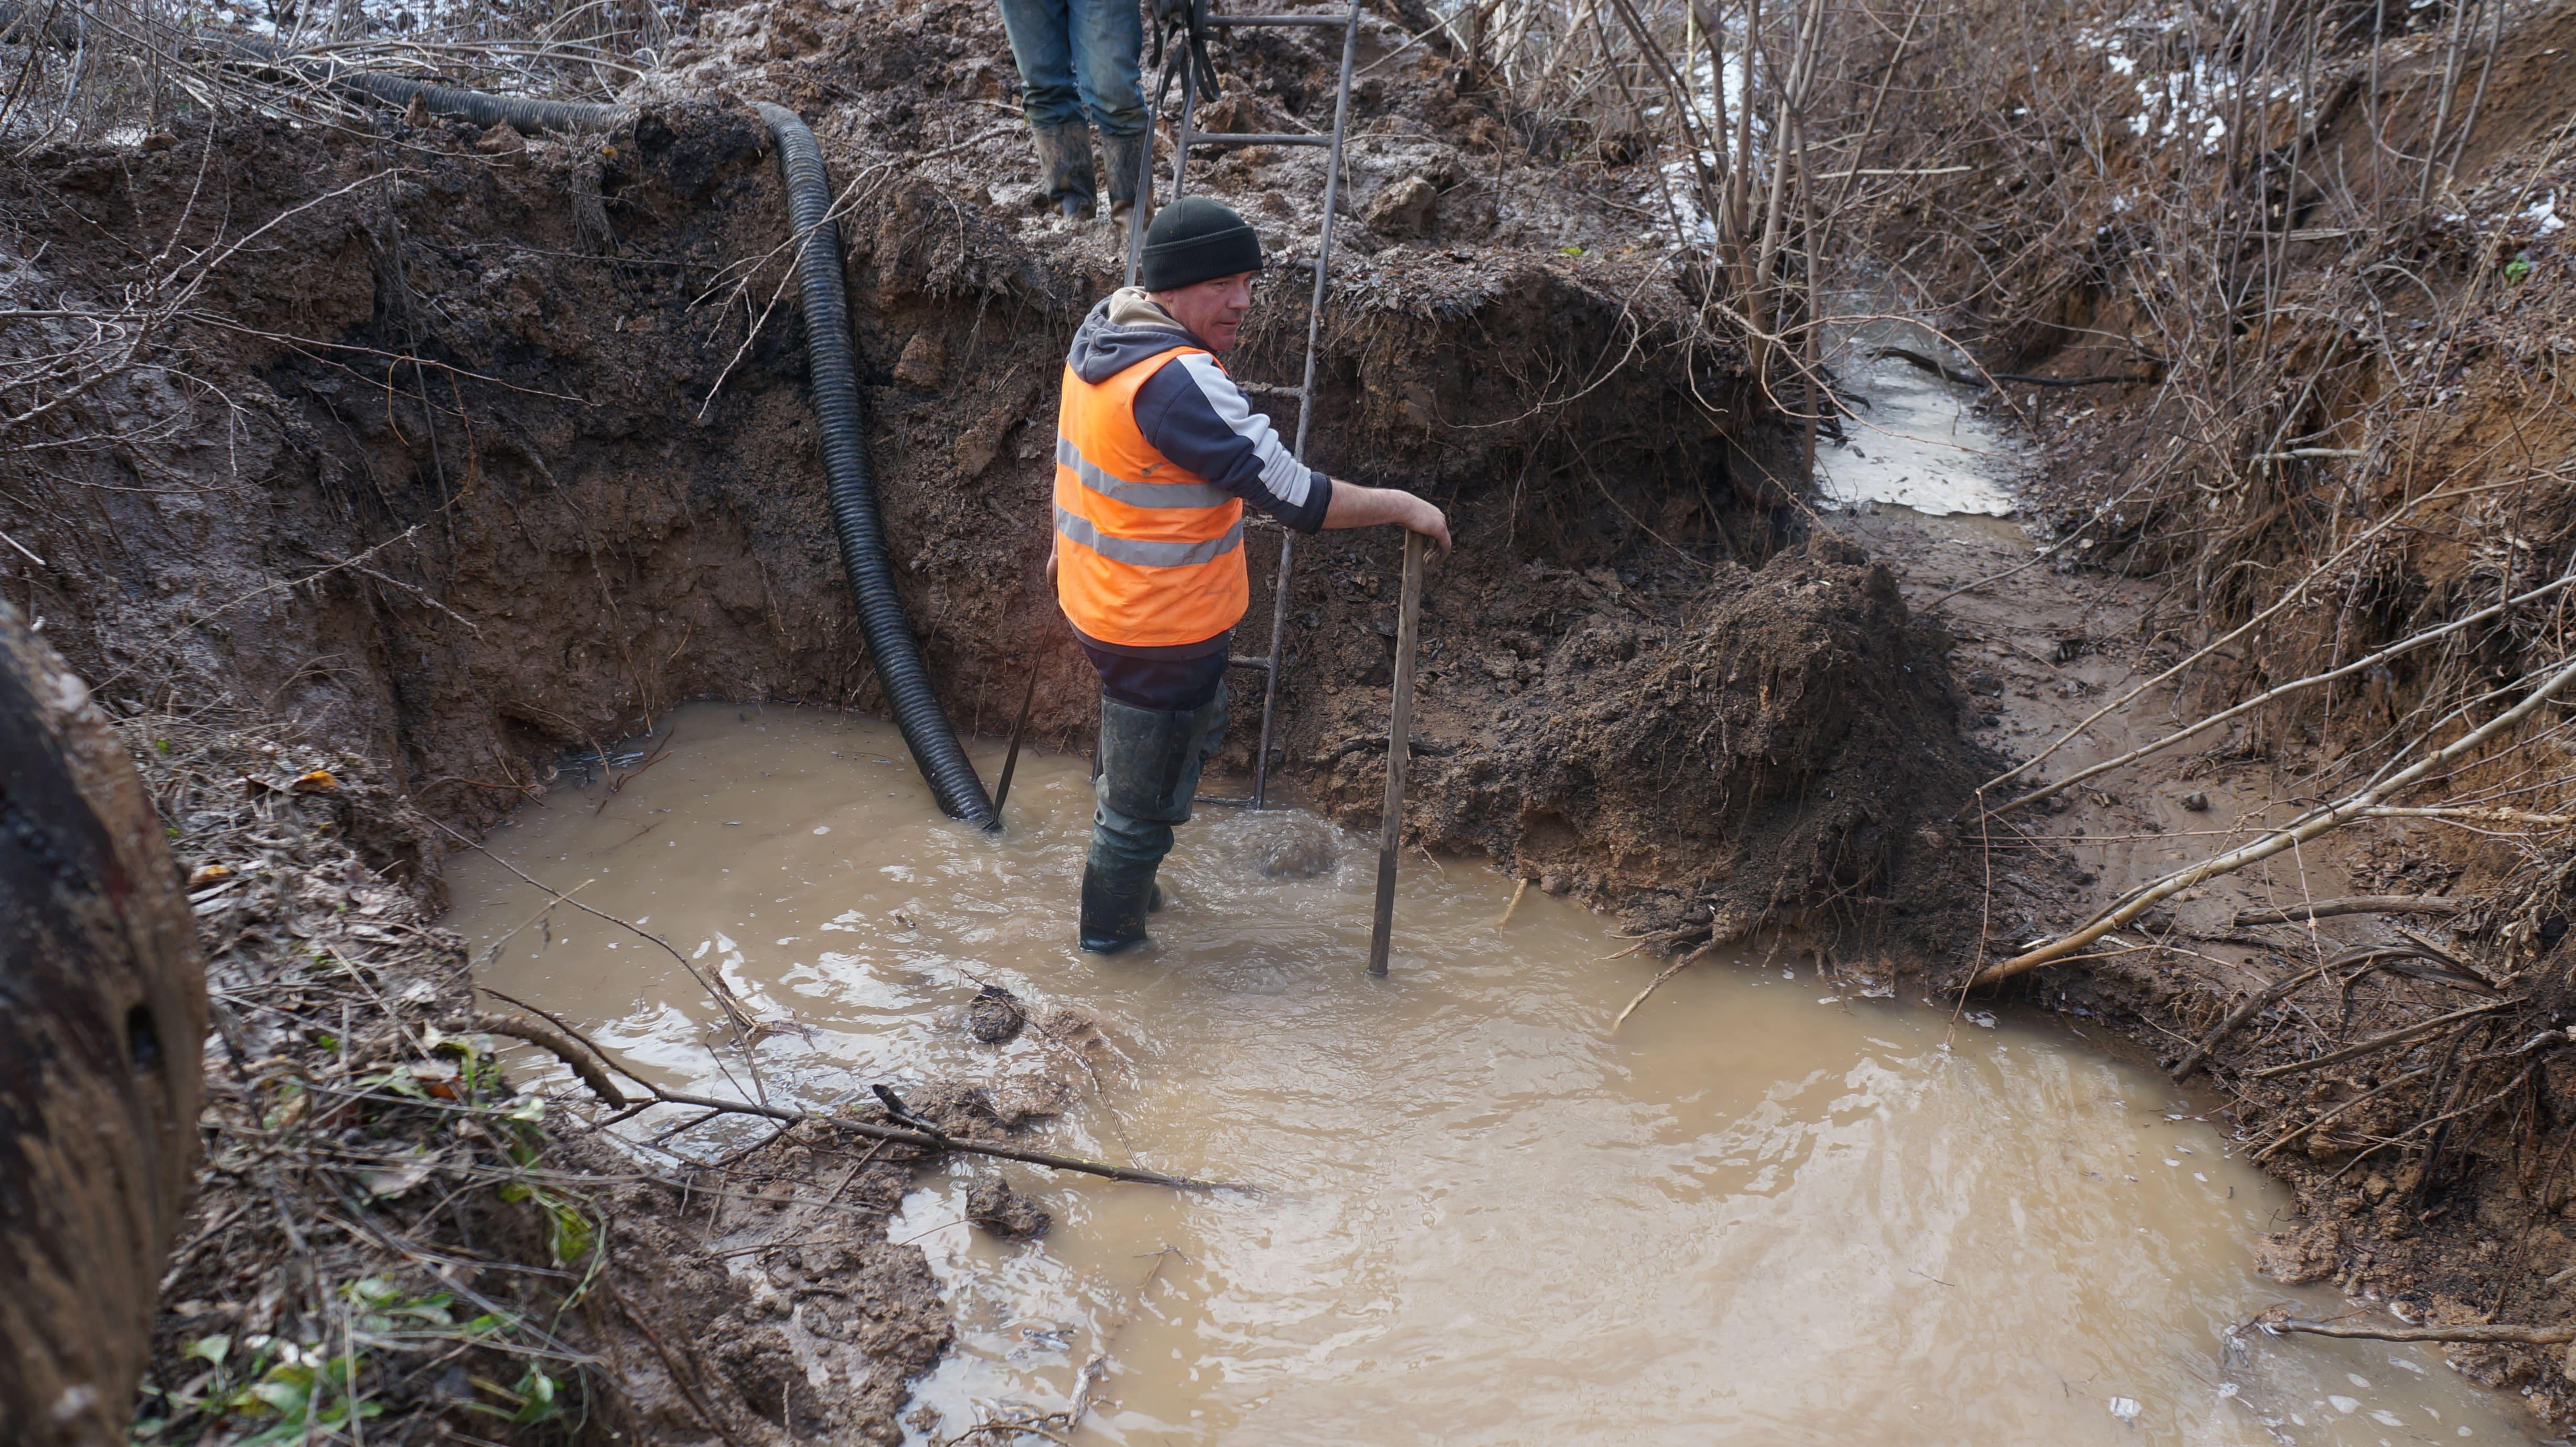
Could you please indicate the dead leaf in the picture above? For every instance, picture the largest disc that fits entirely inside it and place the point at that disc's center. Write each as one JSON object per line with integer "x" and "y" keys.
{"x": 208, "y": 873}
{"x": 395, "y": 1180}
{"x": 319, "y": 781}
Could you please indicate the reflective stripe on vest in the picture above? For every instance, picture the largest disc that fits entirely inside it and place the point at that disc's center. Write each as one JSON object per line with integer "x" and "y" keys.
{"x": 1148, "y": 553}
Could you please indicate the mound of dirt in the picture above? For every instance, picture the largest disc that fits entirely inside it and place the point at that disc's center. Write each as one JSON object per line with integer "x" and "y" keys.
{"x": 1760, "y": 754}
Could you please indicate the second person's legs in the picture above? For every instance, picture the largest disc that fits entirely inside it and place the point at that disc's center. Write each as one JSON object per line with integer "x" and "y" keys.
{"x": 1044, "y": 45}
{"x": 1108, "y": 43}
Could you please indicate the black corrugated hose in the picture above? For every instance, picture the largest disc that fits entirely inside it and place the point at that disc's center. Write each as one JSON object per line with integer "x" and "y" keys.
{"x": 833, "y": 376}
{"x": 831, "y": 366}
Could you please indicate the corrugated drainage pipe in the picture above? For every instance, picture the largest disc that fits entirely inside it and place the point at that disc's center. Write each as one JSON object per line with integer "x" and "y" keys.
{"x": 831, "y": 367}
{"x": 833, "y": 374}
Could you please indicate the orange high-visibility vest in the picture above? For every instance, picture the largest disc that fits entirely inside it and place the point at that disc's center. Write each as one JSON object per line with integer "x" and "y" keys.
{"x": 1148, "y": 553}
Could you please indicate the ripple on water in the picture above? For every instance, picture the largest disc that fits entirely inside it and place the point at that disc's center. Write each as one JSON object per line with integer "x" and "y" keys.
{"x": 1759, "y": 1212}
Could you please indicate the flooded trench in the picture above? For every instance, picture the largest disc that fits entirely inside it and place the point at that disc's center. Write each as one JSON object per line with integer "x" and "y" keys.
{"x": 1764, "y": 1209}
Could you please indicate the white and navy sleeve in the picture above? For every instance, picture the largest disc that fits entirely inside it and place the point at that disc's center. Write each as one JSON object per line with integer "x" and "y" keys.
{"x": 1192, "y": 413}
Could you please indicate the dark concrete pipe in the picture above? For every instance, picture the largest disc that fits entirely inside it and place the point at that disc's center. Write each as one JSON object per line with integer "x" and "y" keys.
{"x": 102, "y": 1030}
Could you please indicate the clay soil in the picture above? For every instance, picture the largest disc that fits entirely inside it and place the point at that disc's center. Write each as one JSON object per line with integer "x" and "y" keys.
{"x": 488, "y": 451}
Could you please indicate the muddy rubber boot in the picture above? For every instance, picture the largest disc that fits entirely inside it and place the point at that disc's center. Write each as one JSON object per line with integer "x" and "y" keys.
{"x": 1113, "y": 912}
{"x": 1064, "y": 159}
{"x": 1125, "y": 156}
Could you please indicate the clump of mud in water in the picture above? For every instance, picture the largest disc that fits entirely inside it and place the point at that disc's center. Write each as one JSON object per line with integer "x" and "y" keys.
{"x": 1006, "y": 1213}
{"x": 1729, "y": 764}
{"x": 1284, "y": 844}
{"x": 995, "y": 1016}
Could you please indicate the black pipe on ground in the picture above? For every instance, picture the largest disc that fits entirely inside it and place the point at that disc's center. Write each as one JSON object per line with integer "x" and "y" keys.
{"x": 831, "y": 366}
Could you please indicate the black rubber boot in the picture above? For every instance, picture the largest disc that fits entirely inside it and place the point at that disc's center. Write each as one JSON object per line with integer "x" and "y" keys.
{"x": 1149, "y": 773}
{"x": 1113, "y": 911}
{"x": 1125, "y": 156}
{"x": 1064, "y": 159}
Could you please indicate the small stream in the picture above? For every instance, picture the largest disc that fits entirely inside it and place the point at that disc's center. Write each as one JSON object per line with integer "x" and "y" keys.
{"x": 1766, "y": 1209}
{"x": 1910, "y": 439}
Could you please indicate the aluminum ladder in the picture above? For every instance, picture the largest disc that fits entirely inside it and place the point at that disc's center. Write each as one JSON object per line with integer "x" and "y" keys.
{"x": 1303, "y": 393}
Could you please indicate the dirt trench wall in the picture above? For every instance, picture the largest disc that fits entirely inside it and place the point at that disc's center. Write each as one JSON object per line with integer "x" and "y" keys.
{"x": 611, "y": 501}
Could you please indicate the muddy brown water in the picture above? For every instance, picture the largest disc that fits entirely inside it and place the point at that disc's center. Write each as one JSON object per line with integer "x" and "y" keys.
{"x": 1765, "y": 1209}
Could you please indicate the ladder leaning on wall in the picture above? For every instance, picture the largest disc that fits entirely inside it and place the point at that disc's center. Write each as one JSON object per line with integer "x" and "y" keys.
{"x": 1185, "y": 140}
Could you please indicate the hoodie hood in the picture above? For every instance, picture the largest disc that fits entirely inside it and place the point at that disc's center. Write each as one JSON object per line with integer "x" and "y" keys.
{"x": 1125, "y": 328}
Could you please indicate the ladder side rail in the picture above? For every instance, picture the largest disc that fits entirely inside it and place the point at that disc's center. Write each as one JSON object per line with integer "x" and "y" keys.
{"x": 1306, "y": 409}
{"x": 1181, "y": 142}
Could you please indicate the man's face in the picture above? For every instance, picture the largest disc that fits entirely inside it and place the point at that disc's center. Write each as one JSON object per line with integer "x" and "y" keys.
{"x": 1213, "y": 309}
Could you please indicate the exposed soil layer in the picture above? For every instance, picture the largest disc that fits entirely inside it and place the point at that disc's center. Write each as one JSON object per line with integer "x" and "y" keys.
{"x": 486, "y": 448}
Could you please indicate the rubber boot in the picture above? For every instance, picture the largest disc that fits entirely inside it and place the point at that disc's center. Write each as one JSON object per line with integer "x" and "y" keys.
{"x": 1149, "y": 773}
{"x": 1126, "y": 157}
{"x": 1064, "y": 159}
{"x": 1113, "y": 911}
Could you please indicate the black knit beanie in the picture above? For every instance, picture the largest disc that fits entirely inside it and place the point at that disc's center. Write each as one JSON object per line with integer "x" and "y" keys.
{"x": 1194, "y": 240}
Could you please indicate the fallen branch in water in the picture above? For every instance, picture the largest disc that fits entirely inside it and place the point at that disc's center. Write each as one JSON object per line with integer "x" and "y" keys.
{"x": 716, "y": 989}
{"x": 1675, "y": 968}
{"x": 2353, "y": 806}
{"x": 561, "y": 1044}
{"x": 1982, "y": 383}
{"x": 2485, "y": 1333}
{"x": 2352, "y": 904}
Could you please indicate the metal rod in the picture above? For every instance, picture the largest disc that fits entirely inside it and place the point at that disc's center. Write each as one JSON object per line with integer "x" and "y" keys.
{"x": 1399, "y": 755}
{"x": 1011, "y": 760}
{"x": 1306, "y": 412}
{"x": 1139, "y": 204}
{"x": 1260, "y": 138}
{"x": 1181, "y": 139}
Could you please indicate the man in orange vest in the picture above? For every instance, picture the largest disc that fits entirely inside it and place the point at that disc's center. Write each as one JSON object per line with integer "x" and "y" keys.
{"x": 1156, "y": 453}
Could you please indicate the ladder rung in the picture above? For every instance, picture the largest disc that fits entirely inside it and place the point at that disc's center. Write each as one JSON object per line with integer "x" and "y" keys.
{"x": 1272, "y": 389}
{"x": 1317, "y": 20}
{"x": 1230, "y": 803}
{"x": 1261, "y": 663}
{"x": 1278, "y": 138}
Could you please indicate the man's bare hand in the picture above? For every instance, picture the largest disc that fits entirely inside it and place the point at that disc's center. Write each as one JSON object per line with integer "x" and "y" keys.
{"x": 1050, "y": 565}
{"x": 1354, "y": 506}
{"x": 1432, "y": 523}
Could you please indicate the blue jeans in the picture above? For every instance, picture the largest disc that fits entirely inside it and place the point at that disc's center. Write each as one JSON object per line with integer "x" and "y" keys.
{"x": 1079, "y": 57}
{"x": 1149, "y": 773}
